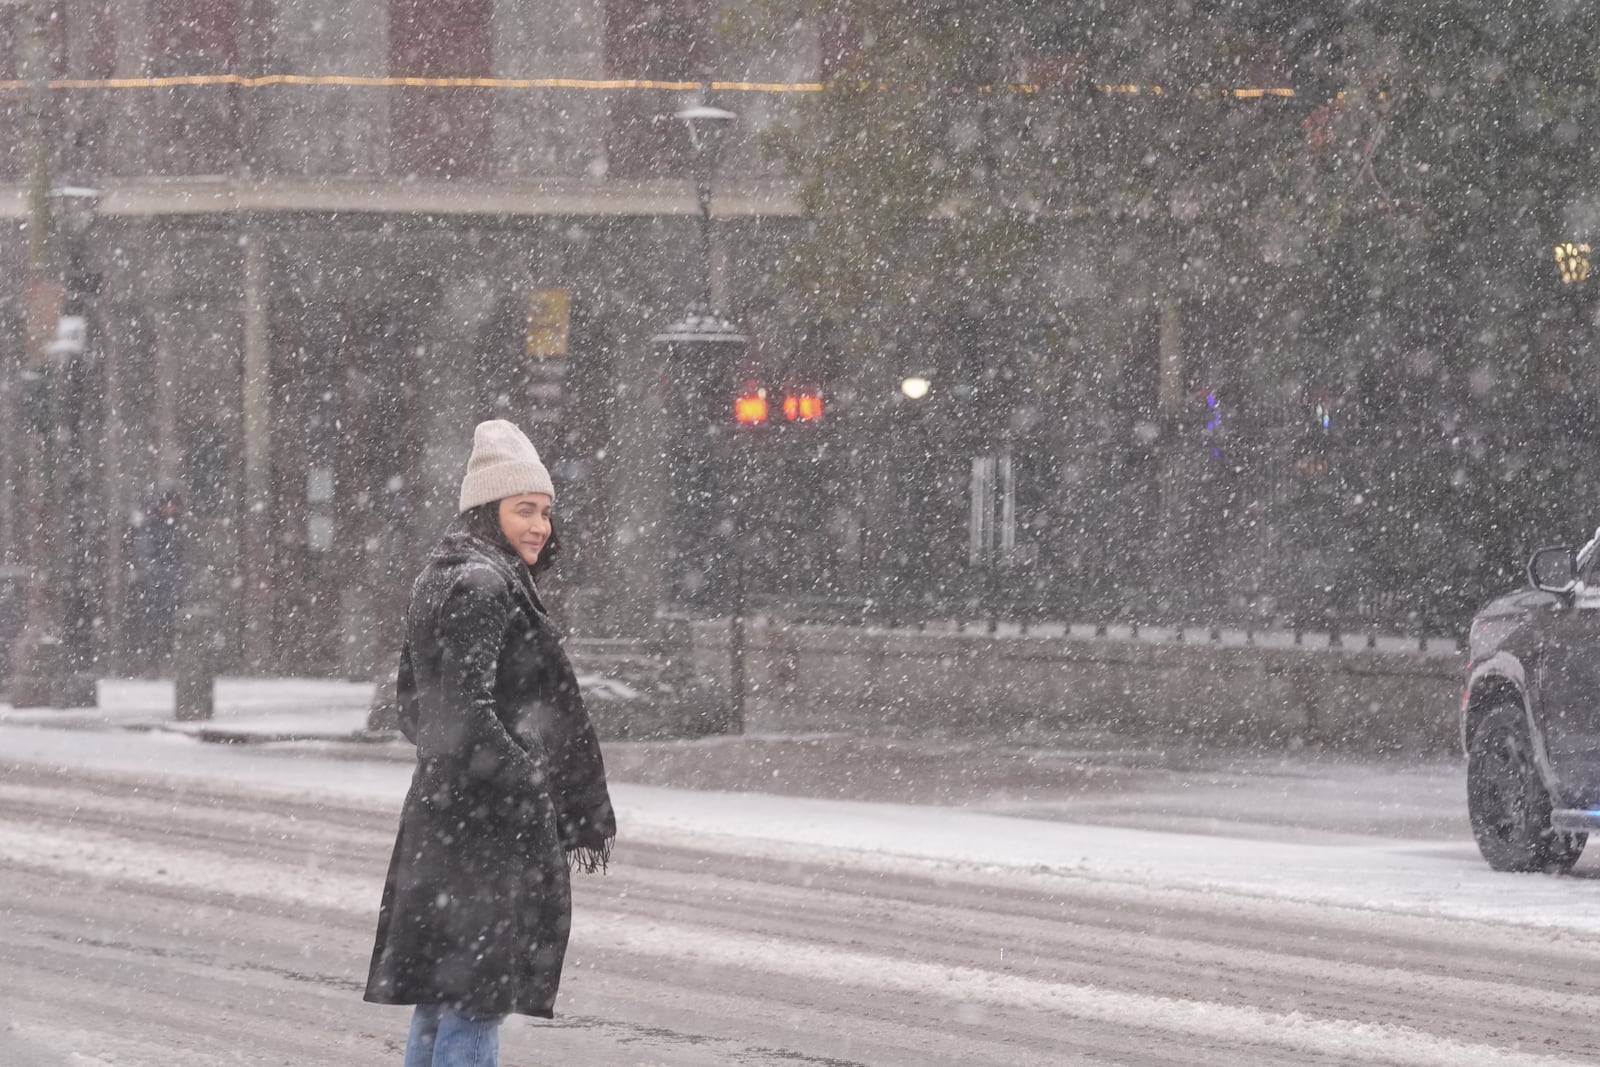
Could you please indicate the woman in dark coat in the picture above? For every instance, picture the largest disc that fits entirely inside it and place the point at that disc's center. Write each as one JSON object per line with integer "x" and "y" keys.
{"x": 509, "y": 791}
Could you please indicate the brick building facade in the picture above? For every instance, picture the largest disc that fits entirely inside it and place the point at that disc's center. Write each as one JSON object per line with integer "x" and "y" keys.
{"x": 308, "y": 293}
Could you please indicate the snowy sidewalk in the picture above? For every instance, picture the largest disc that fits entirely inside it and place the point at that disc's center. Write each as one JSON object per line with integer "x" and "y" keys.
{"x": 1272, "y": 828}
{"x": 1155, "y": 782}
{"x": 247, "y": 710}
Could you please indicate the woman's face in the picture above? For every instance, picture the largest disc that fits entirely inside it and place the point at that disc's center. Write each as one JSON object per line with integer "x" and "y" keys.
{"x": 525, "y": 520}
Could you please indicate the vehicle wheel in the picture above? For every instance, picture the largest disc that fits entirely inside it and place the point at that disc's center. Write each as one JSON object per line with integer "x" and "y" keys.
{"x": 1508, "y": 804}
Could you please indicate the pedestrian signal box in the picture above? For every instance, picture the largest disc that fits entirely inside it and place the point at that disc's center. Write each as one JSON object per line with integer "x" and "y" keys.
{"x": 802, "y": 406}
{"x": 750, "y": 406}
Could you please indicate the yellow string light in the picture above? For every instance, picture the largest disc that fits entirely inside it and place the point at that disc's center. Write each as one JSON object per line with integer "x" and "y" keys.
{"x": 593, "y": 84}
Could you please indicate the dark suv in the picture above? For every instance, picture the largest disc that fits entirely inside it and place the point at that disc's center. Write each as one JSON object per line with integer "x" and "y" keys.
{"x": 1530, "y": 715}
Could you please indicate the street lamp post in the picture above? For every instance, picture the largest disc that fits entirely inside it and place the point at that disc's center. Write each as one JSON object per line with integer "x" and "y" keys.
{"x": 75, "y": 211}
{"x": 707, "y": 127}
{"x": 49, "y": 667}
{"x": 703, "y": 354}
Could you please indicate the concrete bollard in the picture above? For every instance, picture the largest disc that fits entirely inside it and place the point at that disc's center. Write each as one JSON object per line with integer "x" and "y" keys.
{"x": 197, "y": 657}
{"x": 13, "y": 612}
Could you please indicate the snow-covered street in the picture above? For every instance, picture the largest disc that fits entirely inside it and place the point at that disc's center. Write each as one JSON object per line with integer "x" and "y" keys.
{"x": 175, "y": 903}
{"x": 982, "y": 535}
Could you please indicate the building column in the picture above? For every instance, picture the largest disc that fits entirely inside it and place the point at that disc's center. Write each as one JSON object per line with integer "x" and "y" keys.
{"x": 447, "y": 369}
{"x": 638, "y": 494}
{"x": 1176, "y": 469}
{"x": 10, "y": 445}
{"x": 256, "y": 511}
{"x": 128, "y": 125}
{"x": 114, "y": 478}
{"x": 446, "y": 364}
{"x": 1169, "y": 311}
{"x": 168, "y": 360}
{"x": 198, "y": 327}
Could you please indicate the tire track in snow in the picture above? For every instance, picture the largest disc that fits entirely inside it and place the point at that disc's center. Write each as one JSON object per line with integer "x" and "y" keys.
{"x": 1145, "y": 944}
{"x": 95, "y": 855}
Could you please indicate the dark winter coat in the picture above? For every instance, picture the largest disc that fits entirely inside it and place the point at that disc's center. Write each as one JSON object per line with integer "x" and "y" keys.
{"x": 509, "y": 786}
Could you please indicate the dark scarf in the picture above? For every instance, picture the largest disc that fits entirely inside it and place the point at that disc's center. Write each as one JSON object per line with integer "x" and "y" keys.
{"x": 587, "y": 824}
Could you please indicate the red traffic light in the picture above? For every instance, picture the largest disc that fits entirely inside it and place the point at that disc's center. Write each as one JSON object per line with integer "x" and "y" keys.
{"x": 750, "y": 406}
{"x": 802, "y": 407}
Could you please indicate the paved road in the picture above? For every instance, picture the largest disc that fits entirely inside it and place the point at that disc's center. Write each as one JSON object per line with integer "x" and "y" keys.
{"x": 151, "y": 922}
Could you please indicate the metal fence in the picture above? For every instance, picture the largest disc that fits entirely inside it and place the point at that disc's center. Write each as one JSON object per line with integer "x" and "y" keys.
{"x": 1380, "y": 533}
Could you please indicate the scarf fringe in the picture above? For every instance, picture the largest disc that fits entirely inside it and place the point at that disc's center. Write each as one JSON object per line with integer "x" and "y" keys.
{"x": 590, "y": 860}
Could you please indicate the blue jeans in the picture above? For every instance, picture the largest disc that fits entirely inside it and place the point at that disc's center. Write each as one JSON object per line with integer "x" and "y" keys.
{"x": 444, "y": 1037}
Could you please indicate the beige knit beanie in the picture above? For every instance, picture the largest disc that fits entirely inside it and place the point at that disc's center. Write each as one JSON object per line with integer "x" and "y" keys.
{"x": 504, "y": 463}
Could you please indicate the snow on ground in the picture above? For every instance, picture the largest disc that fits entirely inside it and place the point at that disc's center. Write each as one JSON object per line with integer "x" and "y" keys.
{"x": 1443, "y": 878}
{"x": 249, "y": 708}
{"x": 287, "y": 706}
{"x": 697, "y": 938}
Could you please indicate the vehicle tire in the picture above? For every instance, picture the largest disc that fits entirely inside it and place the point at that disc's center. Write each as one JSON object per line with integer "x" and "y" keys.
{"x": 1507, "y": 802}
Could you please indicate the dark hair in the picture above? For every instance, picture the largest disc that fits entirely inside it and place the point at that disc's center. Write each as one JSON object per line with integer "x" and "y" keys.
{"x": 483, "y": 522}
